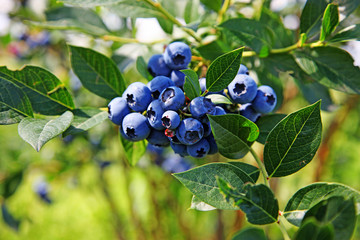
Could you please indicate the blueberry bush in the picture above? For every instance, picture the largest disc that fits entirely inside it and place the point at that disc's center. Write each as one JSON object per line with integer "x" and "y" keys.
{"x": 232, "y": 100}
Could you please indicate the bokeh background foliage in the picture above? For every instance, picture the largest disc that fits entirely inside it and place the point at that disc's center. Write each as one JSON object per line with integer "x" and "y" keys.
{"x": 91, "y": 190}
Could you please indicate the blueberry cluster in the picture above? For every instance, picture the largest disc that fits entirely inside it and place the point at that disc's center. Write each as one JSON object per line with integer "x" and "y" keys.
{"x": 161, "y": 113}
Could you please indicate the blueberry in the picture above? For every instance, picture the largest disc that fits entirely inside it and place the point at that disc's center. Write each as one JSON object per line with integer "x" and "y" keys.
{"x": 138, "y": 96}
{"x": 242, "y": 89}
{"x": 202, "y": 82}
{"x": 178, "y": 78}
{"x": 243, "y": 70}
{"x": 179, "y": 149}
{"x": 171, "y": 134}
{"x": 158, "y": 138}
{"x": 41, "y": 188}
{"x": 248, "y": 111}
{"x": 154, "y": 113}
{"x": 117, "y": 110}
{"x": 152, "y": 149}
{"x": 206, "y": 125}
{"x": 213, "y": 146}
{"x": 200, "y": 106}
{"x": 170, "y": 119}
{"x": 172, "y": 98}
{"x": 265, "y": 100}
{"x": 175, "y": 164}
{"x": 135, "y": 127}
{"x": 219, "y": 111}
{"x": 190, "y": 131}
{"x": 158, "y": 84}
{"x": 157, "y": 67}
{"x": 177, "y": 55}
{"x": 104, "y": 164}
{"x": 200, "y": 149}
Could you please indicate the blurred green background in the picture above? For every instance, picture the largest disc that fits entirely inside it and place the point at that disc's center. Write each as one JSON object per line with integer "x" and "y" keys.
{"x": 93, "y": 193}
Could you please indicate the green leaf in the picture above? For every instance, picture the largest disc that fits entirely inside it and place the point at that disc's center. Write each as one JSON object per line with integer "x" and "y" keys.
{"x": 91, "y": 3}
{"x": 84, "y": 119}
{"x": 281, "y": 37}
{"x": 166, "y": 25}
{"x": 46, "y": 93}
{"x": 141, "y": 66}
{"x": 191, "y": 86}
{"x": 351, "y": 33}
{"x": 250, "y": 233}
{"x": 98, "y": 73}
{"x": 319, "y": 63}
{"x": 346, "y": 7}
{"x": 307, "y": 197}
{"x": 13, "y": 102}
{"x": 330, "y": 21}
{"x": 10, "y": 184}
{"x": 212, "y": 4}
{"x": 311, "y": 14}
{"x": 74, "y": 18}
{"x": 135, "y": 9}
{"x": 257, "y": 201}
{"x": 213, "y": 50}
{"x": 201, "y": 181}
{"x": 337, "y": 212}
{"x": 223, "y": 70}
{"x": 253, "y": 33}
{"x": 9, "y": 116}
{"x": 164, "y": 22}
{"x": 37, "y": 132}
{"x": 218, "y": 99}
{"x": 133, "y": 150}
{"x": 233, "y": 134}
{"x": 311, "y": 229}
{"x": 266, "y": 123}
{"x": 191, "y": 12}
{"x": 292, "y": 144}
{"x": 314, "y": 91}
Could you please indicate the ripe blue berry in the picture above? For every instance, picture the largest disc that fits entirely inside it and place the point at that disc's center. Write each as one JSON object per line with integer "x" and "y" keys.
{"x": 171, "y": 134}
{"x": 243, "y": 70}
{"x": 158, "y": 138}
{"x": 202, "y": 82}
{"x": 242, "y": 89}
{"x": 157, "y": 67}
{"x": 200, "y": 106}
{"x": 206, "y": 125}
{"x": 200, "y": 149}
{"x": 190, "y": 131}
{"x": 42, "y": 190}
{"x": 154, "y": 113}
{"x": 248, "y": 111}
{"x": 177, "y": 55}
{"x": 118, "y": 109}
{"x": 219, "y": 111}
{"x": 172, "y": 98}
{"x": 213, "y": 146}
{"x": 179, "y": 149}
{"x": 138, "y": 96}
{"x": 178, "y": 78}
{"x": 135, "y": 127}
{"x": 175, "y": 164}
{"x": 158, "y": 84}
{"x": 170, "y": 119}
{"x": 265, "y": 100}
